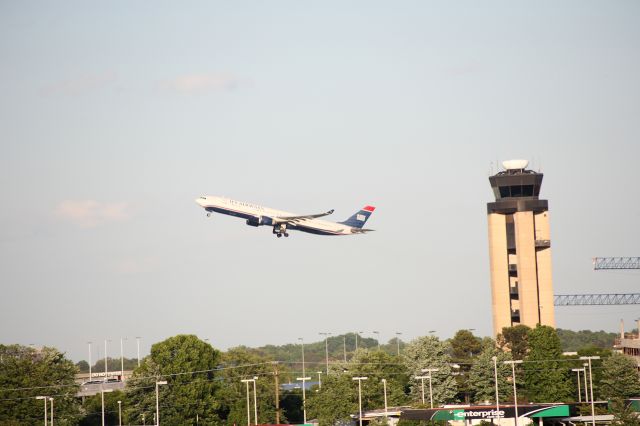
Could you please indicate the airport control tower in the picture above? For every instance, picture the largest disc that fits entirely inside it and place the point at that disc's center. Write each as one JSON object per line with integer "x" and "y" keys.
{"x": 519, "y": 249}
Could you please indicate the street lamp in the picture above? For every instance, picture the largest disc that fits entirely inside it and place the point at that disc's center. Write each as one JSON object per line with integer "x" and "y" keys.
{"x": 304, "y": 397}
{"x": 430, "y": 371}
{"x": 255, "y": 401}
{"x": 344, "y": 347}
{"x": 122, "y": 359}
{"x": 513, "y": 375}
{"x": 422, "y": 386}
{"x": 319, "y": 380}
{"x": 586, "y": 388}
{"x": 102, "y": 392}
{"x": 138, "y": 345}
{"x": 578, "y": 370}
{"x": 495, "y": 376}
{"x": 246, "y": 381}
{"x": 119, "y": 413}
{"x": 302, "y": 343}
{"x": 158, "y": 383}
{"x": 106, "y": 369}
{"x": 326, "y": 348}
{"x": 89, "y": 343}
{"x": 360, "y": 379}
{"x": 357, "y": 334}
{"x": 384, "y": 384}
{"x": 377, "y": 333}
{"x": 51, "y": 401}
{"x": 45, "y": 407}
{"x": 398, "y": 341}
{"x": 593, "y": 410}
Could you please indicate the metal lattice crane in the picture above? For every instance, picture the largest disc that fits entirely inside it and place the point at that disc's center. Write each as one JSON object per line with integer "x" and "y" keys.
{"x": 616, "y": 263}
{"x": 603, "y": 263}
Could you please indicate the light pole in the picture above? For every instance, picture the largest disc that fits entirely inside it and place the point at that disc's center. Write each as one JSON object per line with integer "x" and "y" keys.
{"x": 102, "y": 392}
{"x": 377, "y": 333}
{"x": 138, "y": 345}
{"x": 357, "y": 335}
{"x": 593, "y": 410}
{"x": 302, "y": 343}
{"x": 319, "y": 380}
{"x": 384, "y": 385}
{"x": 119, "y": 413}
{"x": 158, "y": 383}
{"x": 326, "y": 348}
{"x": 513, "y": 375}
{"x": 495, "y": 377}
{"x": 304, "y": 397}
{"x": 51, "y": 401}
{"x": 122, "y": 359}
{"x": 89, "y": 343}
{"x": 344, "y": 347}
{"x": 248, "y": 403}
{"x": 45, "y": 407}
{"x": 255, "y": 401}
{"x": 360, "y": 379}
{"x": 106, "y": 369}
{"x": 430, "y": 371}
{"x": 398, "y": 341}
{"x": 422, "y": 386}
{"x": 586, "y": 388}
{"x": 578, "y": 370}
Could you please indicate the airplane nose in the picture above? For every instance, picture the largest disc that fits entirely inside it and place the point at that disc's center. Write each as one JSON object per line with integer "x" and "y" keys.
{"x": 200, "y": 201}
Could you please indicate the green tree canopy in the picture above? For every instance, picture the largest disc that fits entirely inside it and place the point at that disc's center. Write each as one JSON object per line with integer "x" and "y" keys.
{"x": 515, "y": 340}
{"x": 238, "y": 364}
{"x": 338, "y": 398}
{"x": 189, "y": 365}
{"x": 482, "y": 374}
{"x": 620, "y": 378}
{"x": 546, "y": 377}
{"x": 27, "y": 372}
{"x": 429, "y": 352}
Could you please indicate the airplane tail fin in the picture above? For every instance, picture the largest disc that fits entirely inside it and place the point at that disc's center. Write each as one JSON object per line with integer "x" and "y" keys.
{"x": 360, "y": 218}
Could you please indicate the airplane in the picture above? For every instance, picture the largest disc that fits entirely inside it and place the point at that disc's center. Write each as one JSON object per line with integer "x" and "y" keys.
{"x": 282, "y": 221}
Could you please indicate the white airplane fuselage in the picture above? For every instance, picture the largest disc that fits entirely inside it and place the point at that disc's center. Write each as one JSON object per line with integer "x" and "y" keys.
{"x": 281, "y": 221}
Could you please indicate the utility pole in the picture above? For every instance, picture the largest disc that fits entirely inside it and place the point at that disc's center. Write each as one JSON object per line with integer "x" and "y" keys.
{"x": 275, "y": 375}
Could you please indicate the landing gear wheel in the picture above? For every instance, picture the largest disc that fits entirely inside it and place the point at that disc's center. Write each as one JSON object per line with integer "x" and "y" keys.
{"x": 286, "y": 234}
{"x": 279, "y": 235}
{"x": 208, "y": 214}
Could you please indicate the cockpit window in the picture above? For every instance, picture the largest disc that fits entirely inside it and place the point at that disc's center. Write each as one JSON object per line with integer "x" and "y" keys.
{"x": 203, "y": 198}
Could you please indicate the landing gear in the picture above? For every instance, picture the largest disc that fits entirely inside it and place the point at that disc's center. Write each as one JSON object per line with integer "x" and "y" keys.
{"x": 208, "y": 214}
{"x": 280, "y": 230}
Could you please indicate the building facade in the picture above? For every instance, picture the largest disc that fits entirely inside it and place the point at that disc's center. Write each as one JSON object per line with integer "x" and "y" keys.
{"x": 519, "y": 249}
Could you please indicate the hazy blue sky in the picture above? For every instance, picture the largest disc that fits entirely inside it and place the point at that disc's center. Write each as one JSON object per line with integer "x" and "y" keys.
{"x": 115, "y": 116}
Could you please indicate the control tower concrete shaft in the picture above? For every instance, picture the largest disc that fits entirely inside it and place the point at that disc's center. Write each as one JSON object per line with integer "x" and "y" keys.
{"x": 519, "y": 249}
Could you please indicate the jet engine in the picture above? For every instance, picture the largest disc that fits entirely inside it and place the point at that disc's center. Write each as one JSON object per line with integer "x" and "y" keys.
{"x": 255, "y": 221}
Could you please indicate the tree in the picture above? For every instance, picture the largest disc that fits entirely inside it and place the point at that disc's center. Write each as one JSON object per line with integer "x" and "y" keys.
{"x": 515, "y": 340}
{"x": 464, "y": 346}
{"x": 424, "y": 353}
{"x": 238, "y": 364}
{"x": 620, "y": 378}
{"x": 546, "y": 378}
{"x": 482, "y": 374}
{"x": 26, "y": 373}
{"x": 92, "y": 409}
{"x": 338, "y": 398}
{"x": 623, "y": 413}
{"x": 189, "y": 366}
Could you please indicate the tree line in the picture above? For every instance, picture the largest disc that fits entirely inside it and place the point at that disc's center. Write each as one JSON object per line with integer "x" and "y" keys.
{"x": 204, "y": 384}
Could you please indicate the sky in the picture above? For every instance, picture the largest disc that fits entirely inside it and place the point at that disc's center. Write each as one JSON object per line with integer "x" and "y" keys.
{"x": 115, "y": 116}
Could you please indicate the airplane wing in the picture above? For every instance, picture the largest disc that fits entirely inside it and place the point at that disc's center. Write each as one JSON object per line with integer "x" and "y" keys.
{"x": 361, "y": 230}
{"x": 296, "y": 219}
